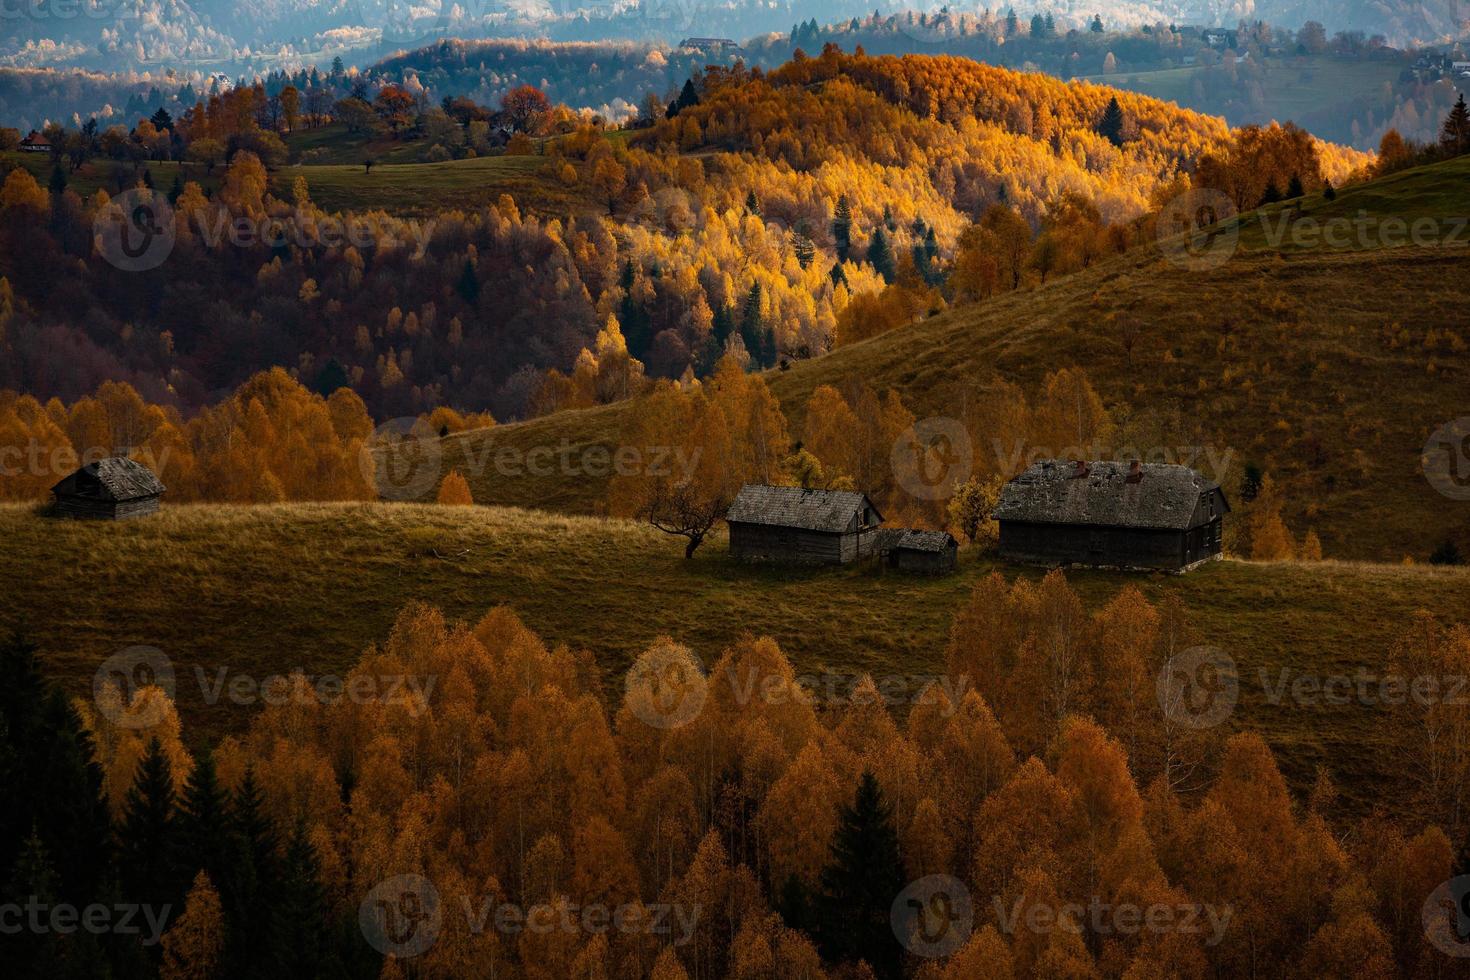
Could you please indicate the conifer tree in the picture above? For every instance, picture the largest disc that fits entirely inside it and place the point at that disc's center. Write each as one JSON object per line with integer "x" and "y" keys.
{"x": 300, "y": 927}
{"x": 1455, "y": 135}
{"x": 860, "y": 882}
{"x": 1110, "y": 126}
{"x": 881, "y": 255}
{"x": 147, "y": 835}
{"x": 253, "y": 883}
{"x": 204, "y": 824}
{"x": 1294, "y": 188}
{"x": 842, "y": 228}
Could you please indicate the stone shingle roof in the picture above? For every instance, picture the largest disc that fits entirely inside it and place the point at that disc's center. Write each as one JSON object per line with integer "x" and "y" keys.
{"x": 115, "y": 478}
{"x": 908, "y": 539}
{"x": 809, "y": 510}
{"x": 1051, "y": 492}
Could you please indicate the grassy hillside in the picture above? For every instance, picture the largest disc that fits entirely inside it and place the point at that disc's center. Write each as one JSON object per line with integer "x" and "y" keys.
{"x": 1307, "y": 361}
{"x": 424, "y": 189}
{"x": 266, "y": 589}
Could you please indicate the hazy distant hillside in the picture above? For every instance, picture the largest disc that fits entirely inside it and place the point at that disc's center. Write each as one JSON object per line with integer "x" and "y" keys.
{"x": 259, "y": 34}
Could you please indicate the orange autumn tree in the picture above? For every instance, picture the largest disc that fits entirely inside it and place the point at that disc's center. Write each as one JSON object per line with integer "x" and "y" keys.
{"x": 695, "y": 448}
{"x": 510, "y": 782}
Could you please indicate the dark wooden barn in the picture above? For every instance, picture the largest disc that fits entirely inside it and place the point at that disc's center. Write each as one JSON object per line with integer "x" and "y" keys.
{"x": 1111, "y": 515}
{"x": 921, "y": 552}
{"x": 789, "y": 524}
{"x": 109, "y": 489}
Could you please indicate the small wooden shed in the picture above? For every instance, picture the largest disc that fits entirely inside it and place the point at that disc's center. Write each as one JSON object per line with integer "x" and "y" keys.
{"x": 791, "y": 524}
{"x": 1111, "y": 515}
{"x": 920, "y": 552}
{"x": 109, "y": 489}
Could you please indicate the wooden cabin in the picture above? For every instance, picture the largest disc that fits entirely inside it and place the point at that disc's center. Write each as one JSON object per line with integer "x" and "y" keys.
{"x": 790, "y": 524}
{"x": 109, "y": 489}
{"x": 1111, "y": 515}
{"x": 918, "y": 552}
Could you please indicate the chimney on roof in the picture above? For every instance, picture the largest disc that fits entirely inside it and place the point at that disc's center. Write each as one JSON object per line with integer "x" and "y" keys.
{"x": 1135, "y": 472}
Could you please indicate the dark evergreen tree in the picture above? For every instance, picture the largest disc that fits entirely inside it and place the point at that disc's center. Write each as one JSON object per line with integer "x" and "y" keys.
{"x": 1272, "y": 194}
{"x": 751, "y": 204}
{"x": 862, "y": 878}
{"x": 254, "y": 882}
{"x": 635, "y": 321}
{"x": 842, "y": 228}
{"x": 58, "y": 180}
{"x": 175, "y": 190}
{"x": 688, "y": 97}
{"x": 880, "y": 255}
{"x": 147, "y": 835}
{"x": 1038, "y": 27}
{"x": 1097, "y": 24}
{"x": 1454, "y": 136}
{"x": 203, "y": 828}
{"x": 1294, "y": 188}
{"x": 331, "y": 377}
{"x": 468, "y": 286}
{"x": 300, "y": 928}
{"x": 752, "y": 324}
{"x": 161, "y": 120}
{"x": 837, "y": 276}
{"x": 1110, "y": 126}
{"x": 1328, "y": 191}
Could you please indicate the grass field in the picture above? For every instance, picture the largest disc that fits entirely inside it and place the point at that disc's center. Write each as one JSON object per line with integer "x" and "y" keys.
{"x": 102, "y": 174}
{"x": 422, "y": 189}
{"x": 257, "y": 590}
{"x": 1276, "y": 357}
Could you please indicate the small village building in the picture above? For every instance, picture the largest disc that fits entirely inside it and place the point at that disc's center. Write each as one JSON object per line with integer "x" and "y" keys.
{"x": 918, "y": 552}
{"x": 1111, "y": 515}
{"x": 35, "y": 142}
{"x": 792, "y": 524}
{"x": 109, "y": 489}
{"x": 710, "y": 43}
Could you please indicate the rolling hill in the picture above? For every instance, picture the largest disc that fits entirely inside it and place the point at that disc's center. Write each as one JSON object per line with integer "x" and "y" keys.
{"x": 1277, "y": 356}
{"x": 251, "y": 591}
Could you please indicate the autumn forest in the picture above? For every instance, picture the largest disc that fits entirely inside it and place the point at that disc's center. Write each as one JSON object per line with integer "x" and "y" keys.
{"x": 739, "y": 508}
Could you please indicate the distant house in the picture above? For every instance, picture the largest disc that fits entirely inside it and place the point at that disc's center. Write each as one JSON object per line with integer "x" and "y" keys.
{"x": 923, "y": 552}
{"x": 790, "y": 524}
{"x": 109, "y": 489}
{"x": 709, "y": 43}
{"x": 1111, "y": 515}
{"x": 1218, "y": 38}
{"x": 35, "y": 142}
